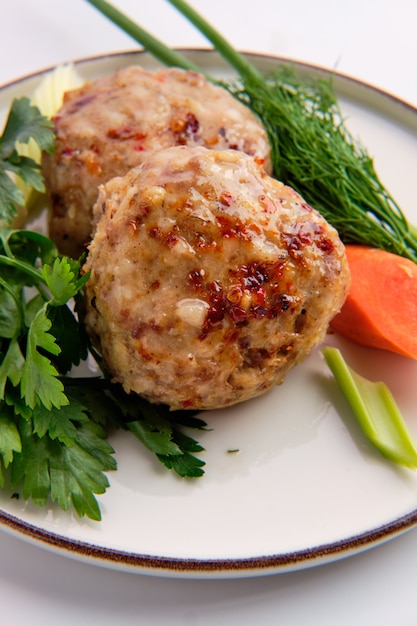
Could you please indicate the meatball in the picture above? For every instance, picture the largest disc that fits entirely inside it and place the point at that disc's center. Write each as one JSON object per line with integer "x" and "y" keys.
{"x": 112, "y": 124}
{"x": 209, "y": 279}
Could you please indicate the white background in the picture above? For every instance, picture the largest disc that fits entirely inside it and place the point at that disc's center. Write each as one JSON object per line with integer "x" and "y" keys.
{"x": 373, "y": 40}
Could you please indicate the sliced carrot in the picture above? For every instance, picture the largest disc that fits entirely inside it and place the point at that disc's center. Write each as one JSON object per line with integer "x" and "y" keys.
{"x": 381, "y": 308}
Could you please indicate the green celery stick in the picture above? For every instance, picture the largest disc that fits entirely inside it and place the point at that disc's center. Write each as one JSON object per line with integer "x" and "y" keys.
{"x": 376, "y": 411}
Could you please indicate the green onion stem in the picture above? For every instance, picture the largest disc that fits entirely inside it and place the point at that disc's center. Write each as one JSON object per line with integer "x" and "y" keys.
{"x": 244, "y": 68}
{"x": 148, "y": 41}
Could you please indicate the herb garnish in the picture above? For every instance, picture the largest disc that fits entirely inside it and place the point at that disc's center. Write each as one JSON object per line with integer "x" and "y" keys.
{"x": 24, "y": 122}
{"x": 48, "y": 443}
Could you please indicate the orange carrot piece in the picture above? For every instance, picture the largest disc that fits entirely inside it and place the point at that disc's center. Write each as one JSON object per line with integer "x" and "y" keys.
{"x": 381, "y": 307}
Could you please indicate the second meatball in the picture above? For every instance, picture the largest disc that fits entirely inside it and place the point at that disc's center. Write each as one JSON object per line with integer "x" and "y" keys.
{"x": 112, "y": 124}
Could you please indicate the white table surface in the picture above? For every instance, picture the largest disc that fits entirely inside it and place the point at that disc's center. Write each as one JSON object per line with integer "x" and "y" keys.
{"x": 373, "y": 40}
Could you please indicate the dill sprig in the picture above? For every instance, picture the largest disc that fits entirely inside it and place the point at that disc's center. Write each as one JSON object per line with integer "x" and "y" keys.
{"x": 313, "y": 152}
{"x": 312, "y": 149}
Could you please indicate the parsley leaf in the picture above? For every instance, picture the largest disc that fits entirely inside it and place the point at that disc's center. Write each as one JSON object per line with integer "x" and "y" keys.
{"x": 156, "y": 427}
{"x": 69, "y": 336}
{"x": 62, "y": 279}
{"x": 35, "y": 346}
{"x": 185, "y": 465}
{"x": 24, "y": 122}
{"x": 156, "y": 435}
{"x": 10, "y": 195}
{"x": 67, "y": 474}
{"x": 27, "y": 169}
{"x": 77, "y": 471}
{"x": 59, "y": 423}
{"x": 39, "y": 382}
{"x": 9, "y": 321}
{"x": 12, "y": 366}
{"x": 9, "y": 439}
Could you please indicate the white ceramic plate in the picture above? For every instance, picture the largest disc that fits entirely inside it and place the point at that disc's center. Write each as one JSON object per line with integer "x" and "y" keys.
{"x": 305, "y": 487}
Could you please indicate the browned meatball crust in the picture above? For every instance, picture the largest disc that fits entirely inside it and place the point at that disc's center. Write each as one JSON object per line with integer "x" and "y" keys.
{"x": 209, "y": 279}
{"x": 112, "y": 124}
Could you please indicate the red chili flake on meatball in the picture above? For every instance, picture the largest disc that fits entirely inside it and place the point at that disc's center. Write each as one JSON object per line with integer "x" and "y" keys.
{"x": 238, "y": 314}
{"x": 296, "y": 241}
{"x": 196, "y": 278}
{"x": 226, "y": 198}
{"x": 260, "y": 296}
{"x": 304, "y": 237}
{"x": 215, "y": 314}
{"x": 118, "y": 133}
{"x": 215, "y": 287}
{"x": 155, "y": 232}
{"x": 185, "y": 128}
{"x": 280, "y": 303}
{"x": 147, "y": 356}
{"x": 125, "y": 132}
{"x": 266, "y": 203}
{"x": 192, "y": 124}
{"x": 93, "y": 166}
{"x": 326, "y": 245}
{"x": 253, "y": 275}
{"x": 171, "y": 239}
{"x": 217, "y": 300}
{"x": 204, "y": 242}
{"x": 139, "y": 218}
{"x": 68, "y": 152}
{"x": 259, "y": 312}
{"x": 231, "y": 228}
{"x": 260, "y": 162}
{"x": 137, "y": 330}
{"x": 234, "y": 294}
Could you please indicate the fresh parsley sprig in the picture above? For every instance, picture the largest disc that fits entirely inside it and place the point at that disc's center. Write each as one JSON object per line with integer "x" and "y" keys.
{"x": 50, "y": 444}
{"x": 24, "y": 122}
{"x": 160, "y": 430}
{"x": 29, "y": 325}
